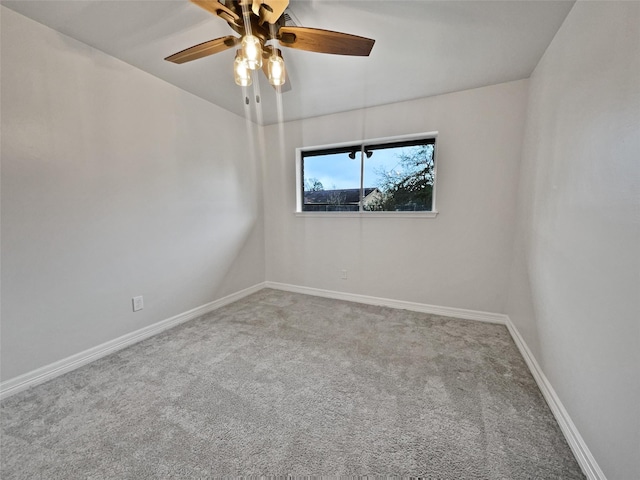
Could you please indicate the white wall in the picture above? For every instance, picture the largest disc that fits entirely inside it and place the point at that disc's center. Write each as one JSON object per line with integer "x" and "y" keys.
{"x": 114, "y": 184}
{"x": 458, "y": 259}
{"x": 575, "y": 282}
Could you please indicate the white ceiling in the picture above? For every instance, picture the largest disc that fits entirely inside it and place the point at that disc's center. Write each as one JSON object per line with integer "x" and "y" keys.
{"x": 422, "y": 48}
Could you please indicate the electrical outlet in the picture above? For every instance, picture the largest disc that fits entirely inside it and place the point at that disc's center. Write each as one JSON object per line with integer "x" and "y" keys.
{"x": 138, "y": 303}
{"x": 343, "y": 274}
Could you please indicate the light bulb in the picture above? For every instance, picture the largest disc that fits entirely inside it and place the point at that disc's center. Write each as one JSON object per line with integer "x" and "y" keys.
{"x": 276, "y": 70}
{"x": 241, "y": 72}
{"x": 252, "y": 51}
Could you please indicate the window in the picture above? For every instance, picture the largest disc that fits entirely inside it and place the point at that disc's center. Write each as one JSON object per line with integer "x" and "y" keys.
{"x": 384, "y": 175}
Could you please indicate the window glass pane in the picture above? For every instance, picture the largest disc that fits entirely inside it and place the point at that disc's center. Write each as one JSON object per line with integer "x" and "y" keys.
{"x": 399, "y": 179}
{"x": 331, "y": 182}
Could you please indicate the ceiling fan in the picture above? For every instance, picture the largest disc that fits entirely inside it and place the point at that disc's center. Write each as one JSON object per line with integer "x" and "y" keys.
{"x": 259, "y": 22}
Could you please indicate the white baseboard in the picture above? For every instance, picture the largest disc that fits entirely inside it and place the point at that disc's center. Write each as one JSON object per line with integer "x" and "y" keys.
{"x": 574, "y": 439}
{"x": 48, "y": 372}
{"x": 400, "y": 304}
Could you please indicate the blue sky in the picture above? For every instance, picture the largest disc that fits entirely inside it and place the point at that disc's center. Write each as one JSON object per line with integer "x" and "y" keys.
{"x": 338, "y": 171}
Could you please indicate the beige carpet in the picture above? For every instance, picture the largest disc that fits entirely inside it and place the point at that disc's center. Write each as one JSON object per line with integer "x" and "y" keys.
{"x": 288, "y": 384}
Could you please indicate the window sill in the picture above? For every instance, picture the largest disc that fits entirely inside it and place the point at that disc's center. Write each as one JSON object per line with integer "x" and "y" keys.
{"x": 431, "y": 214}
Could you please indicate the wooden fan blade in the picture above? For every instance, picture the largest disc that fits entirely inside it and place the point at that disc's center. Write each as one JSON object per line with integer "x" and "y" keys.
{"x": 204, "y": 49}
{"x": 215, "y": 7}
{"x": 324, "y": 41}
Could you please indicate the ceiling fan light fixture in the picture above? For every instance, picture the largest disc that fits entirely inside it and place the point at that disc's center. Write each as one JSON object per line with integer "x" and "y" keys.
{"x": 260, "y": 25}
{"x": 252, "y": 51}
{"x": 276, "y": 70}
{"x": 241, "y": 72}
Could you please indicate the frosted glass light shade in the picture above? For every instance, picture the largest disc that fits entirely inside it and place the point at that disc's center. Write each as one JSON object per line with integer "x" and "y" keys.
{"x": 252, "y": 51}
{"x": 241, "y": 72}
{"x": 275, "y": 67}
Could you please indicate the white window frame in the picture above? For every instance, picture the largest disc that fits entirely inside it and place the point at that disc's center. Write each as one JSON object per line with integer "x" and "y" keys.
{"x": 363, "y": 213}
